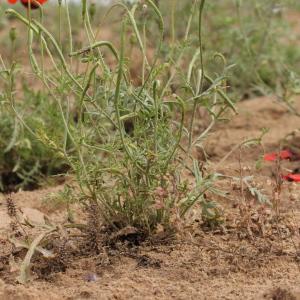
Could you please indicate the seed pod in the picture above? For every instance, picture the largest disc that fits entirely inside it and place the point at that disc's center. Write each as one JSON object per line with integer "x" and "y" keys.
{"x": 92, "y": 10}
{"x": 84, "y": 9}
{"x": 11, "y": 207}
{"x": 13, "y": 34}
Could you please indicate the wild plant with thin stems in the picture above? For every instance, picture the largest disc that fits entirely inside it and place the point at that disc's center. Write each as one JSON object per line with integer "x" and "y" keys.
{"x": 25, "y": 163}
{"x": 128, "y": 145}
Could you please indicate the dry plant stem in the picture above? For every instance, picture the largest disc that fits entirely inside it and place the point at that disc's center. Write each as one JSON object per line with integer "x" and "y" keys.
{"x": 297, "y": 247}
{"x": 241, "y": 176}
{"x": 277, "y": 194}
{"x": 235, "y": 148}
{"x": 25, "y": 266}
{"x": 278, "y": 185}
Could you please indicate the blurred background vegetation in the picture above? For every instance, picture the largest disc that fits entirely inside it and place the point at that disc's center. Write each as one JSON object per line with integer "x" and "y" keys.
{"x": 252, "y": 45}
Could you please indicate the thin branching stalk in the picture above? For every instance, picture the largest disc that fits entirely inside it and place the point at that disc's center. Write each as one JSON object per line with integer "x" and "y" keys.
{"x": 201, "y": 77}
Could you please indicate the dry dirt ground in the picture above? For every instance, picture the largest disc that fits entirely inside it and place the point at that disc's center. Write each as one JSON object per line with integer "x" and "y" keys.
{"x": 250, "y": 257}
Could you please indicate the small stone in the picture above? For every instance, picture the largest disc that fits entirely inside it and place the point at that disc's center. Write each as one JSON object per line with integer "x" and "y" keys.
{"x": 90, "y": 277}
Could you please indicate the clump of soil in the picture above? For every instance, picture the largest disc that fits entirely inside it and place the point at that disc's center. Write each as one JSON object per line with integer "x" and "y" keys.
{"x": 281, "y": 294}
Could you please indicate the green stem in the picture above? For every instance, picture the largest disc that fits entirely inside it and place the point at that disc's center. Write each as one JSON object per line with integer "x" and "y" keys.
{"x": 191, "y": 127}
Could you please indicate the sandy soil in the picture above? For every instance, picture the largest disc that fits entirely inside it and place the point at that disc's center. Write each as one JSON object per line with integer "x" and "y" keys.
{"x": 219, "y": 264}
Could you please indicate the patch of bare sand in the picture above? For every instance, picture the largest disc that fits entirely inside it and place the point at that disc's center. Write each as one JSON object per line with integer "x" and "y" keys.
{"x": 253, "y": 117}
{"x": 186, "y": 272}
{"x": 29, "y": 203}
{"x": 293, "y": 17}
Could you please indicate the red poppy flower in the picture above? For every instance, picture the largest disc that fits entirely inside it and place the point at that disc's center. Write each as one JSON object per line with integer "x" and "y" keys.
{"x": 292, "y": 177}
{"x": 284, "y": 154}
{"x": 33, "y": 3}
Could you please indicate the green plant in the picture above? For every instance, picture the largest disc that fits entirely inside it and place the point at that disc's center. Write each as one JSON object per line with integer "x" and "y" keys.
{"x": 128, "y": 141}
{"x": 24, "y": 160}
{"x": 254, "y": 36}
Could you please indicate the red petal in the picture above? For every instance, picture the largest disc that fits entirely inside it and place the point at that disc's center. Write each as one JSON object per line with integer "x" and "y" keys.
{"x": 12, "y": 1}
{"x": 292, "y": 177}
{"x": 270, "y": 156}
{"x": 33, "y": 3}
{"x": 284, "y": 154}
